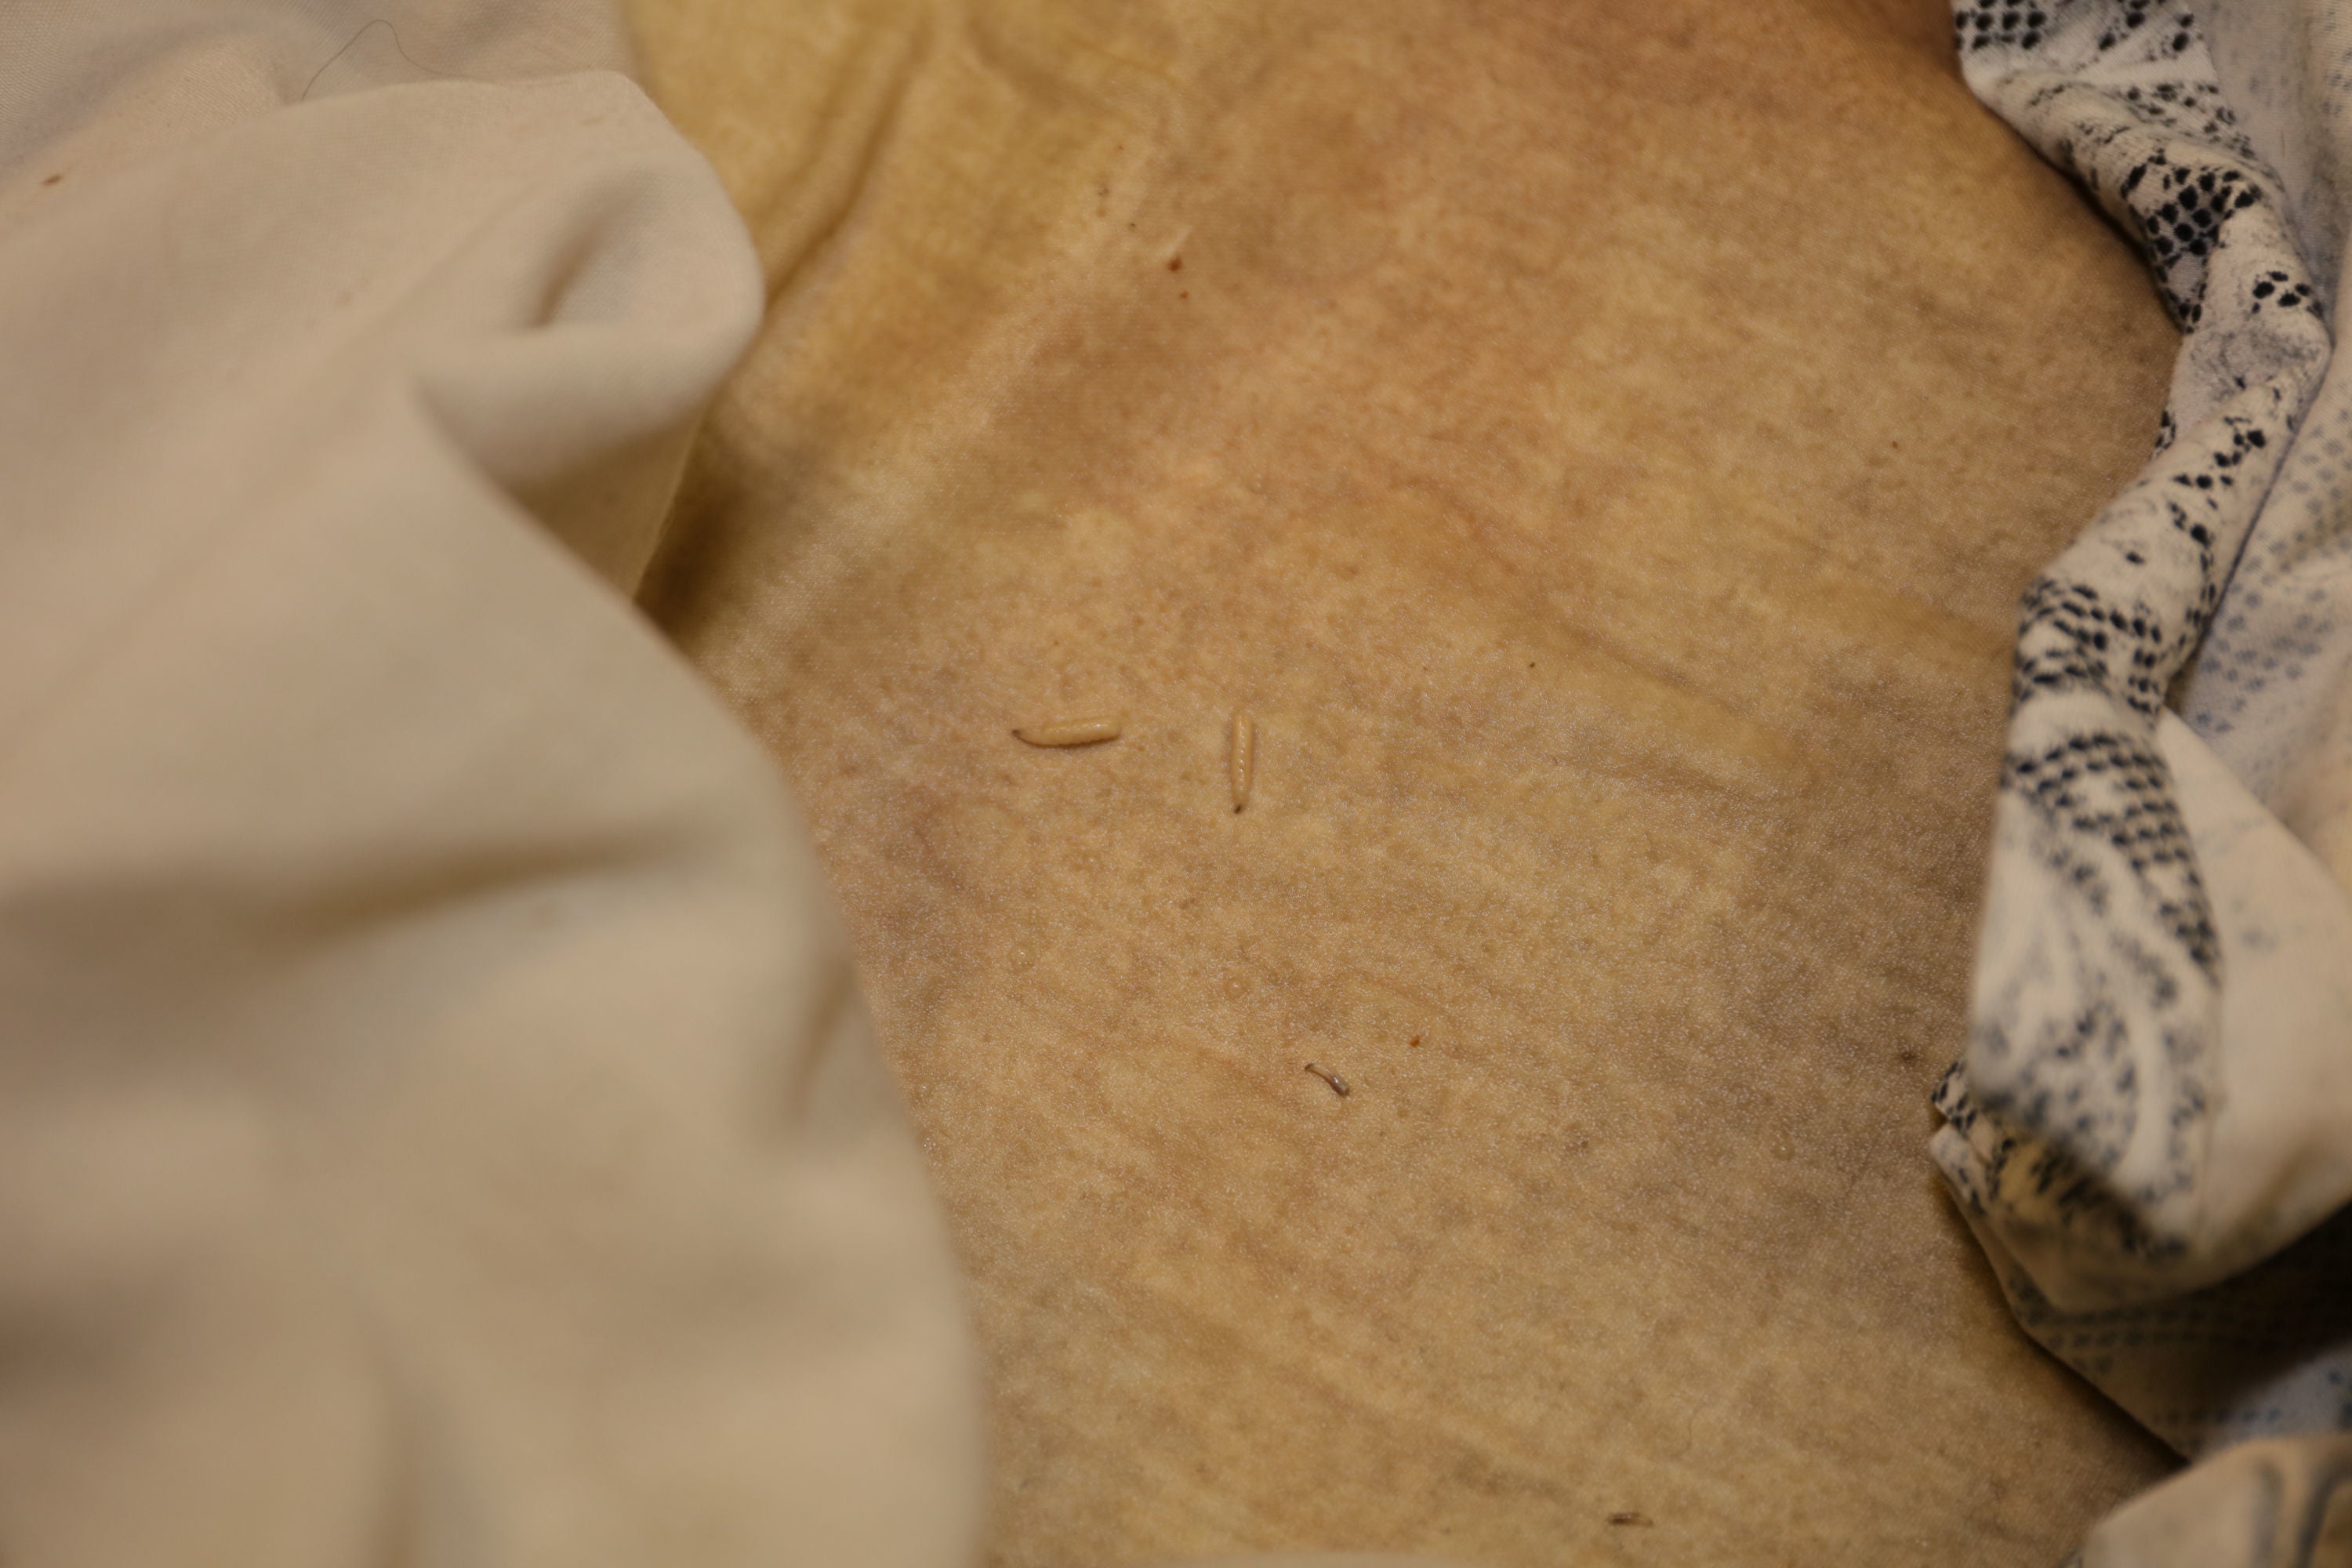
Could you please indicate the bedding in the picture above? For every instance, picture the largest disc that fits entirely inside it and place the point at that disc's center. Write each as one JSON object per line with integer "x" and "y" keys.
{"x": 1290, "y": 826}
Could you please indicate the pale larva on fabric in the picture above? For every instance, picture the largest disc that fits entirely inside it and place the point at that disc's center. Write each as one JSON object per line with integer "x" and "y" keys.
{"x": 1071, "y": 732}
{"x": 1244, "y": 758}
{"x": 1338, "y": 1085}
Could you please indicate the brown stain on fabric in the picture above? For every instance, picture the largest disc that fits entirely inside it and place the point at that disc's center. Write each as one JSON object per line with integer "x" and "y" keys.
{"x": 1586, "y": 404}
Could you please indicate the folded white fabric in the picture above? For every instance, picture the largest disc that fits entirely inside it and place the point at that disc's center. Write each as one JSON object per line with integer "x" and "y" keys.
{"x": 2152, "y": 1126}
{"x": 2272, "y": 1504}
{"x": 437, "y": 1122}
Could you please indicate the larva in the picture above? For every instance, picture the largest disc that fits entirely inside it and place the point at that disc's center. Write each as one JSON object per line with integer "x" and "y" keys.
{"x": 1244, "y": 758}
{"x": 1071, "y": 732}
{"x": 1338, "y": 1085}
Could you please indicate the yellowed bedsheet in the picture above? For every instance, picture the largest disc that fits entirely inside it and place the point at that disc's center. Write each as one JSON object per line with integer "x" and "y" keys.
{"x": 1601, "y": 446}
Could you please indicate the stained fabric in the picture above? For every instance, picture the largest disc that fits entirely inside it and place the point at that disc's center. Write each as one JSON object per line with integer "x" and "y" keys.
{"x": 1602, "y": 447}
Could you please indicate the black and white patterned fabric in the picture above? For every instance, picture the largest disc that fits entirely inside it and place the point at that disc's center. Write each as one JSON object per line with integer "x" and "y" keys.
{"x": 2151, "y": 1130}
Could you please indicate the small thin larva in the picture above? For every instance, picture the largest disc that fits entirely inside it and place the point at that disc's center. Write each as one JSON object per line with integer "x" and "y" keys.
{"x": 1071, "y": 732}
{"x": 1244, "y": 758}
{"x": 1338, "y": 1085}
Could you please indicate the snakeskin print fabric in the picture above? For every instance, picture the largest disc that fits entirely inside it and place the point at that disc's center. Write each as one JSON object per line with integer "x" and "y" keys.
{"x": 2080, "y": 1117}
{"x": 2151, "y": 1128}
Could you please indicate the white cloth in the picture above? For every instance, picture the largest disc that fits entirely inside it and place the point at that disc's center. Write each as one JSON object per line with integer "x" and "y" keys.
{"x": 2269, "y": 1504}
{"x": 437, "y": 1122}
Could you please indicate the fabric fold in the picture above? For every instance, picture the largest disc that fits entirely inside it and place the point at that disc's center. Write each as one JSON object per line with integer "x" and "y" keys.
{"x": 2151, "y": 1130}
{"x": 437, "y": 1122}
{"x": 2083, "y": 1119}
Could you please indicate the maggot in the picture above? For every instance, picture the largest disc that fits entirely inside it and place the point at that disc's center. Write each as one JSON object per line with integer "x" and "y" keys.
{"x": 1071, "y": 731}
{"x": 1244, "y": 758}
{"x": 1338, "y": 1085}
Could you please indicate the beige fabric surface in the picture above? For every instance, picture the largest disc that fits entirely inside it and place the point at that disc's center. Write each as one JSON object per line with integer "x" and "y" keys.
{"x": 1601, "y": 447}
{"x": 436, "y": 1125}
